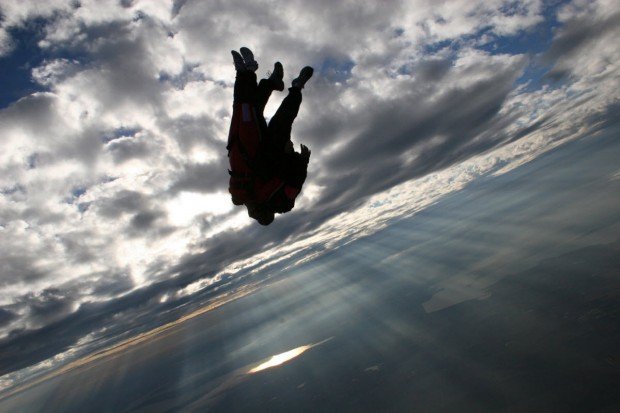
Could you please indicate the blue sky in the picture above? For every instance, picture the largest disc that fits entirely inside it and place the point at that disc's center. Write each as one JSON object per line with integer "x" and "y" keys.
{"x": 114, "y": 116}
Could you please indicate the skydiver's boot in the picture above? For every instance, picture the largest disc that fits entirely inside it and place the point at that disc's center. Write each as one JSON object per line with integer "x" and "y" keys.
{"x": 304, "y": 76}
{"x": 248, "y": 58}
{"x": 276, "y": 77}
{"x": 238, "y": 60}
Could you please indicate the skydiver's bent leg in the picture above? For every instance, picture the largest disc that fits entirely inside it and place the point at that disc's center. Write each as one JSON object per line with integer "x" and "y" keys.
{"x": 266, "y": 86}
{"x": 281, "y": 123}
{"x": 263, "y": 92}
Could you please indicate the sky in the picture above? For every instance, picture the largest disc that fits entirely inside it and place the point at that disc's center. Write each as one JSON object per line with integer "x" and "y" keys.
{"x": 114, "y": 211}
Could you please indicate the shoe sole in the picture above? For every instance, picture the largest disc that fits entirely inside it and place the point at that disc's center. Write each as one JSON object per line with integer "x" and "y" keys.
{"x": 248, "y": 56}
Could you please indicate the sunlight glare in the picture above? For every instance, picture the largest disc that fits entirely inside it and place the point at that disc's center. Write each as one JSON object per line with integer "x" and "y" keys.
{"x": 187, "y": 205}
{"x": 281, "y": 358}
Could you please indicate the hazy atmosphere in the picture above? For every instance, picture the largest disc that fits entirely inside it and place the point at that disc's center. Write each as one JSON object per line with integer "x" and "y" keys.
{"x": 461, "y": 210}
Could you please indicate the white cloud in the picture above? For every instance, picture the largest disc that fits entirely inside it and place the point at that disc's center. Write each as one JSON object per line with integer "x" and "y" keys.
{"x": 119, "y": 166}
{"x": 187, "y": 205}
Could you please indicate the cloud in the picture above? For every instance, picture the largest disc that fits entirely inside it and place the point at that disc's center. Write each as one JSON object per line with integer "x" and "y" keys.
{"x": 124, "y": 201}
{"x": 202, "y": 177}
{"x": 18, "y": 267}
{"x": 6, "y": 317}
{"x": 581, "y": 46}
{"x": 47, "y": 306}
{"x": 438, "y": 132}
{"x": 113, "y": 180}
{"x": 126, "y": 148}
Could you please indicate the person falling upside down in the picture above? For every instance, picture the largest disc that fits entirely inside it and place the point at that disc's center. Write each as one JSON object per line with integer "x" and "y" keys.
{"x": 266, "y": 173}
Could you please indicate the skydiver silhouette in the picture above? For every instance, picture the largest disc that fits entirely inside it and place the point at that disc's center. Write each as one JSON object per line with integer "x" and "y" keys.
{"x": 266, "y": 173}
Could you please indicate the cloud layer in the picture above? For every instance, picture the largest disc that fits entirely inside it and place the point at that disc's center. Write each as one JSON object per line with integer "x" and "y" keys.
{"x": 113, "y": 183}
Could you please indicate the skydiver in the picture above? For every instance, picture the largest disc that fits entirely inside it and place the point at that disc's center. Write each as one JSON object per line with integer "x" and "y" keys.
{"x": 267, "y": 174}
